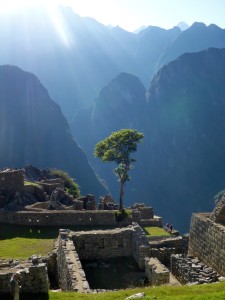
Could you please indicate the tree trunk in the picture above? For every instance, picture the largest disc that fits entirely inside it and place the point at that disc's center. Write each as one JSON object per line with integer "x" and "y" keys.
{"x": 121, "y": 194}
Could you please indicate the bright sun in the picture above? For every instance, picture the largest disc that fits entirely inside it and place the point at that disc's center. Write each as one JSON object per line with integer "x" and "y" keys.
{"x": 54, "y": 14}
{"x": 7, "y": 5}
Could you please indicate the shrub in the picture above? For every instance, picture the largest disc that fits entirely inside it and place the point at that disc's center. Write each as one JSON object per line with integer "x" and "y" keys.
{"x": 218, "y": 196}
{"x": 122, "y": 215}
{"x": 71, "y": 187}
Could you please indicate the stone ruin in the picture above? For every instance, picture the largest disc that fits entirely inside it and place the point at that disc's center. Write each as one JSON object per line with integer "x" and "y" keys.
{"x": 11, "y": 180}
{"x": 107, "y": 203}
{"x": 75, "y": 247}
{"x": 34, "y": 278}
{"x": 156, "y": 256}
{"x": 205, "y": 260}
{"x": 190, "y": 270}
{"x": 42, "y": 191}
{"x": 207, "y": 237}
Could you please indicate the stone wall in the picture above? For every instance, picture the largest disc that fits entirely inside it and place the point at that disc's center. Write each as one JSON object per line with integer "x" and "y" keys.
{"x": 141, "y": 247}
{"x": 163, "y": 254}
{"x": 103, "y": 243}
{"x": 207, "y": 241}
{"x": 128, "y": 241}
{"x": 34, "y": 278}
{"x": 156, "y": 272}
{"x": 60, "y": 218}
{"x": 163, "y": 248}
{"x": 97, "y": 244}
{"x": 70, "y": 273}
{"x": 218, "y": 214}
{"x": 189, "y": 269}
{"x": 11, "y": 180}
{"x": 51, "y": 184}
{"x": 156, "y": 221}
{"x": 146, "y": 213}
{"x": 65, "y": 218}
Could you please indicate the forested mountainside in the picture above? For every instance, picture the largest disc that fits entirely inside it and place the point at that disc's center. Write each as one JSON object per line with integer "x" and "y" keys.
{"x": 181, "y": 164}
{"x": 76, "y": 57}
{"x": 34, "y": 131}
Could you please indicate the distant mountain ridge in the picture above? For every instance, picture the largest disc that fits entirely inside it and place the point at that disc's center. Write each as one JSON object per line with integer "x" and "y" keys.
{"x": 181, "y": 164}
{"x": 75, "y": 57}
{"x": 34, "y": 131}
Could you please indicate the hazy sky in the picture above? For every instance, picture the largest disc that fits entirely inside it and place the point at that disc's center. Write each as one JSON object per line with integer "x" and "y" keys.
{"x": 132, "y": 14}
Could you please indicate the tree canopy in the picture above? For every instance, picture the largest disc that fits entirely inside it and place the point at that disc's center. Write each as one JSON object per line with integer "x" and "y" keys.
{"x": 117, "y": 148}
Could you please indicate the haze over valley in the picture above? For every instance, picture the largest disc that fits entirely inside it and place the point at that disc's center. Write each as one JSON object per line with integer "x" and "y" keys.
{"x": 67, "y": 82}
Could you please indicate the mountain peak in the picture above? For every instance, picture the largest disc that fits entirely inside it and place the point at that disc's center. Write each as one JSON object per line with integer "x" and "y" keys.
{"x": 36, "y": 132}
{"x": 198, "y": 25}
{"x": 182, "y": 25}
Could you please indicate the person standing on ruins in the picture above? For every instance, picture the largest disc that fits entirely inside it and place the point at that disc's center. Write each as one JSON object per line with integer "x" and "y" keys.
{"x": 15, "y": 286}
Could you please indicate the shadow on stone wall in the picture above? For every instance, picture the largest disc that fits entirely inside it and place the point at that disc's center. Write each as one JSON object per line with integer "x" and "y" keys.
{"x": 27, "y": 297}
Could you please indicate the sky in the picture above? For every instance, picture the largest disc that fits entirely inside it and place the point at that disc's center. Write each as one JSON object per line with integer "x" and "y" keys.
{"x": 132, "y": 14}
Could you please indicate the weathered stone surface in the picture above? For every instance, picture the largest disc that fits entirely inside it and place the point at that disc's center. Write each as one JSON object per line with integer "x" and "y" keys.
{"x": 59, "y": 199}
{"x": 12, "y": 180}
{"x": 97, "y": 244}
{"x": 70, "y": 272}
{"x": 107, "y": 203}
{"x": 207, "y": 241}
{"x": 33, "y": 279}
{"x": 156, "y": 272}
{"x": 188, "y": 269}
{"x": 136, "y": 296}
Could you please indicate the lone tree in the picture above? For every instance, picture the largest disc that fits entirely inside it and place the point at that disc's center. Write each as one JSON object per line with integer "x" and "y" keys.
{"x": 118, "y": 147}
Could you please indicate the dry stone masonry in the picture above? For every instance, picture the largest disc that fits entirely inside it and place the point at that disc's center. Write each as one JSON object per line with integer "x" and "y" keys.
{"x": 191, "y": 270}
{"x": 70, "y": 272}
{"x": 156, "y": 272}
{"x": 56, "y": 208}
{"x": 130, "y": 241}
{"x": 207, "y": 241}
{"x": 11, "y": 180}
{"x": 34, "y": 277}
{"x": 99, "y": 244}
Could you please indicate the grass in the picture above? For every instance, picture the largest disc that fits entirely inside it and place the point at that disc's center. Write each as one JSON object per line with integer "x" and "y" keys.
{"x": 156, "y": 231}
{"x": 22, "y": 241}
{"x": 26, "y": 182}
{"x": 200, "y": 292}
{"x": 23, "y": 248}
{"x": 17, "y": 241}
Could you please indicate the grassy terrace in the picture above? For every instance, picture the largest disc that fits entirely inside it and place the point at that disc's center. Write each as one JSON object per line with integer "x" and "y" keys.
{"x": 30, "y": 183}
{"x": 21, "y": 242}
{"x": 155, "y": 231}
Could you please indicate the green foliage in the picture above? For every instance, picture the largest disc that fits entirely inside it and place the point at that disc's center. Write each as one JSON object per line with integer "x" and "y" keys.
{"x": 218, "y": 196}
{"x": 71, "y": 187}
{"x": 117, "y": 148}
{"x": 122, "y": 215}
